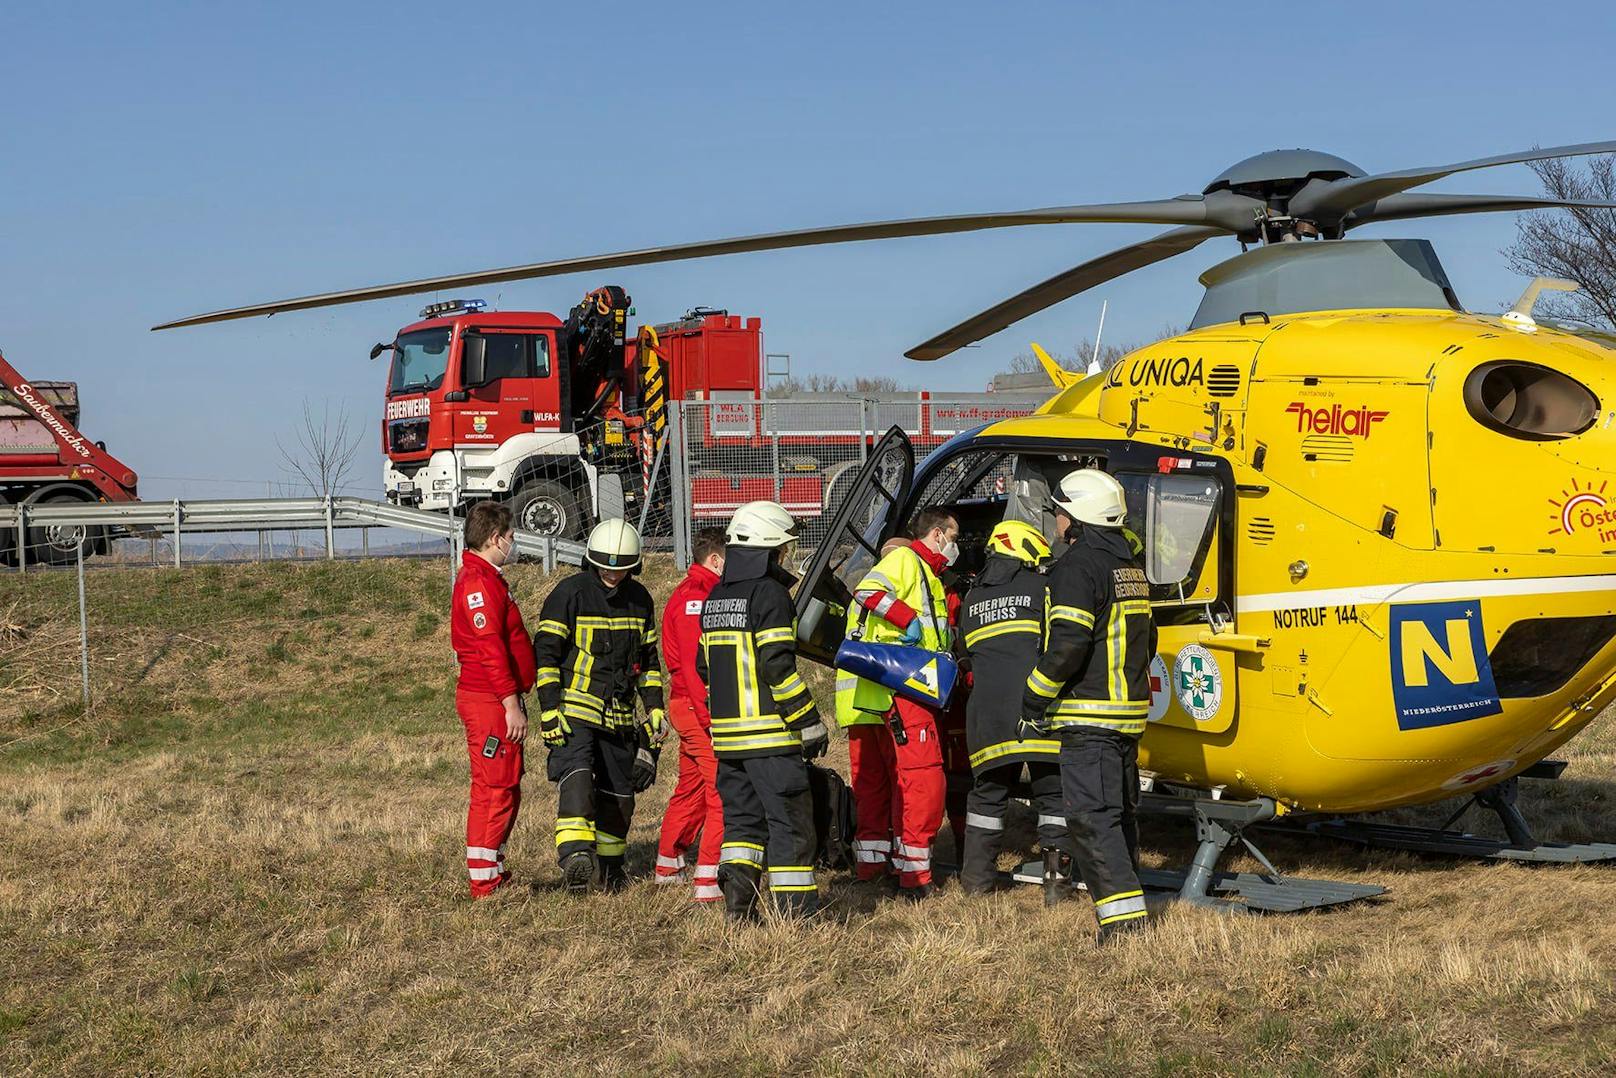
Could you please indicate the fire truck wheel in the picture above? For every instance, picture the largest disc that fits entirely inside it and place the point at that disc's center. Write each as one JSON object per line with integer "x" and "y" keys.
{"x": 548, "y": 508}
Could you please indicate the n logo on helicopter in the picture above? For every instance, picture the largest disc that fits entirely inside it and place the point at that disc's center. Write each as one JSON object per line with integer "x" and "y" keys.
{"x": 1440, "y": 671}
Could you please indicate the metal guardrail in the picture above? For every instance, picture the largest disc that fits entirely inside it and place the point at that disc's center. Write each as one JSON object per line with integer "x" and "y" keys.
{"x": 179, "y": 517}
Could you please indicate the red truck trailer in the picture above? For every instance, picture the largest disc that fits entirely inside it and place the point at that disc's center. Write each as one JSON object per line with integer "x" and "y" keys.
{"x": 45, "y": 458}
{"x": 561, "y": 416}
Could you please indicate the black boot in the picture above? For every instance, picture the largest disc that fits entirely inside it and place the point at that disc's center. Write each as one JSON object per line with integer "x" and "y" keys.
{"x": 613, "y": 878}
{"x": 740, "y": 887}
{"x": 797, "y": 904}
{"x": 578, "y": 871}
{"x": 978, "y": 865}
{"x": 1117, "y": 929}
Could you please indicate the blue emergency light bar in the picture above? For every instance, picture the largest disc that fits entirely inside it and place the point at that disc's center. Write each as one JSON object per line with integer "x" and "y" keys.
{"x": 453, "y": 306}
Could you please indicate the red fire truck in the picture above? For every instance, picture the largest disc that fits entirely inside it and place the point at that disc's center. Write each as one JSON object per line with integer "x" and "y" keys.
{"x": 561, "y": 417}
{"x": 45, "y": 458}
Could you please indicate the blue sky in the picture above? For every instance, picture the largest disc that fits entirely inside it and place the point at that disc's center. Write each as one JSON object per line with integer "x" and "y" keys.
{"x": 166, "y": 159}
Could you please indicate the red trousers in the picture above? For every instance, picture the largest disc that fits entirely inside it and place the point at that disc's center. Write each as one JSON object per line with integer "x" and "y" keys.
{"x": 496, "y": 788}
{"x": 898, "y": 791}
{"x": 693, "y": 807}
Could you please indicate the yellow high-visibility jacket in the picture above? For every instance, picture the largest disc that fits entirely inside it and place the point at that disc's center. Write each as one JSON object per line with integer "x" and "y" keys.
{"x": 901, "y": 577}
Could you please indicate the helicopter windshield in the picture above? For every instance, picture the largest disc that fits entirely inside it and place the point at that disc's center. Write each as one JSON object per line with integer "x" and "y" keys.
{"x": 419, "y": 361}
{"x": 1333, "y": 275}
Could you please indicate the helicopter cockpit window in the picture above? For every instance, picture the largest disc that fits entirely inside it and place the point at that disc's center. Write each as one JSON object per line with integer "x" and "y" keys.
{"x": 976, "y": 485}
{"x": 1175, "y": 518}
{"x": 1284, "y": 278}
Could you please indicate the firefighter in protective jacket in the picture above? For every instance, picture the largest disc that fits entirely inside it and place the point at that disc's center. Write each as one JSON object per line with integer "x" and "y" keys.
{"x": 1002, "y": 626}
{"x": 764, "y": 724}
{"x": 596, "y": 649}
{"x": 1091, "y": 688}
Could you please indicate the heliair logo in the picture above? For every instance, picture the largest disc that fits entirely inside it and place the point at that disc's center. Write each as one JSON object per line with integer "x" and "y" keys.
{"x": 1353, "y": 422}
{"x": 1583, "y": 509}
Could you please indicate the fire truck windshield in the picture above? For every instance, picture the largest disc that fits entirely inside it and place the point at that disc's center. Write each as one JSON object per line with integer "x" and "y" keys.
{"x": 419, "y": 361}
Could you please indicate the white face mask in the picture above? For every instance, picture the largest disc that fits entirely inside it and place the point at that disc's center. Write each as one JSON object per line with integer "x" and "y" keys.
{"x": 950, "y": 552}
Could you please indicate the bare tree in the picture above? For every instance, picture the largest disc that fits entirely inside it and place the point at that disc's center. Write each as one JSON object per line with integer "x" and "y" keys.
{"x": 1576, "y": 244}
{"x": 325, "y": 450}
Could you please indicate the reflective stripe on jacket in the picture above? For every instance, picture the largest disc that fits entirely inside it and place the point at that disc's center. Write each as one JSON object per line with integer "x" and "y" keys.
{"x": 1099, "y": 639}
{"x": 748, "y": 659}
{"x": 1002, "y": 626}
{"x": 902, "y": 577}
{"x": 596, "y": 649}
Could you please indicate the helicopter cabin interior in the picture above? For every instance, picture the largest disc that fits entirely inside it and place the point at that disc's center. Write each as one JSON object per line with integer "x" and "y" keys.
{"x": 1182, "y": 519}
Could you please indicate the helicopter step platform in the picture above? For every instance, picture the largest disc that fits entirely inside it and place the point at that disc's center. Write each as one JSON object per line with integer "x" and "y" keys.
{"x": 1455, "y": 843}
{"x": 1247, "y": 891}
{"x": 1219, "y": 825}
{"x": 1521, "y": 845}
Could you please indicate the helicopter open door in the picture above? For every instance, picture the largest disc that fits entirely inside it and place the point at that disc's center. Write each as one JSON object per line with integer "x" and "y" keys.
{"x": 1179, "y": 517}
{"x": 867, "y": 517}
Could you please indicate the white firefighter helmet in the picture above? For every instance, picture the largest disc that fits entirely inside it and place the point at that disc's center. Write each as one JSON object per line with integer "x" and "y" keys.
{"x": 762, "y": 524}
{"x": 613, "y": 544}
{"x": 1090, "y": 496}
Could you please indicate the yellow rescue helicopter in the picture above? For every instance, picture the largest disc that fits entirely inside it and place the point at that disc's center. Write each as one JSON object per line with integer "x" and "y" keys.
{"x": 1380, "y": 529}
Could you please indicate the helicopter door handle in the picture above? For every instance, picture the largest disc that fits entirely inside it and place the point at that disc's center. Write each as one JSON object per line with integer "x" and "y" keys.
{"x": 1246, "y": 642}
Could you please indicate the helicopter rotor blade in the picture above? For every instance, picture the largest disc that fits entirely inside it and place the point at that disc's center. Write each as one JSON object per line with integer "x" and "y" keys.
{"x": 1403, "y": 206}
{"x": 1062, "y": 286}
{"x": 1329, "y": 200}
{"x": 1217, "y": 208}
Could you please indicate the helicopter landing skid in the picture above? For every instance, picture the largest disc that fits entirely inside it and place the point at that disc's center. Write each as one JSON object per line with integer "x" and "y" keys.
{"x": 1521, "y": 845}
{"x": 1219, "y": 825}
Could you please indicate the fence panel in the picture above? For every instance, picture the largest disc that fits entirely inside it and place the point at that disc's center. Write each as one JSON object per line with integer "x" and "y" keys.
{"x": 804, "y": 454}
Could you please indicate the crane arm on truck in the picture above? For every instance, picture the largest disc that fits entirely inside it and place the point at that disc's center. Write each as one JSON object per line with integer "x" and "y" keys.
{"x": 593, "y": 340}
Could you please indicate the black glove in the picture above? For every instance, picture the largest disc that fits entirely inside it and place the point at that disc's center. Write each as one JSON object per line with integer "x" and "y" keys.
{"x": 643, "y": 777}
{"x": 815, "y": 740}
{"x": 1034, "y": 726}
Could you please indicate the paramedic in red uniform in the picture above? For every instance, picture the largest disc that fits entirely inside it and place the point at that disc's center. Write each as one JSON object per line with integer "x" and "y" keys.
{"x": 496, "y": 668}
{"x": 695, "y": 805}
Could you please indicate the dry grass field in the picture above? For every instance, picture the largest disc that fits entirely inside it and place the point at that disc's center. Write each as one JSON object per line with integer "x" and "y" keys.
{"x": 248, "y": 857}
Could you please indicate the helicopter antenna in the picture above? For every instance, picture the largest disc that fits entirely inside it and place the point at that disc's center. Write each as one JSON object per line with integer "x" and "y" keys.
{"x": 1520, "y": 315}
{"x": 1094, "y": 360}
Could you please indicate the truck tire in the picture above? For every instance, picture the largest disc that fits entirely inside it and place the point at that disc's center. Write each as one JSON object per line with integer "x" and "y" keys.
{"x": 57, "y": 544}
{"x": 548, "y": 508}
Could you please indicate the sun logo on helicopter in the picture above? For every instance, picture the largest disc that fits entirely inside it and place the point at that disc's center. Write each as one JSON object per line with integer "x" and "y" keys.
{"x": 1582, "y": 508}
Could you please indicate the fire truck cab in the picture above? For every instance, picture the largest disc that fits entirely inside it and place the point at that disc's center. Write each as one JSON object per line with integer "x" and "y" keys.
{"x": 478, "y": 407}
{"x": 550, "y": 414}
{"x": 562, "y": 417}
